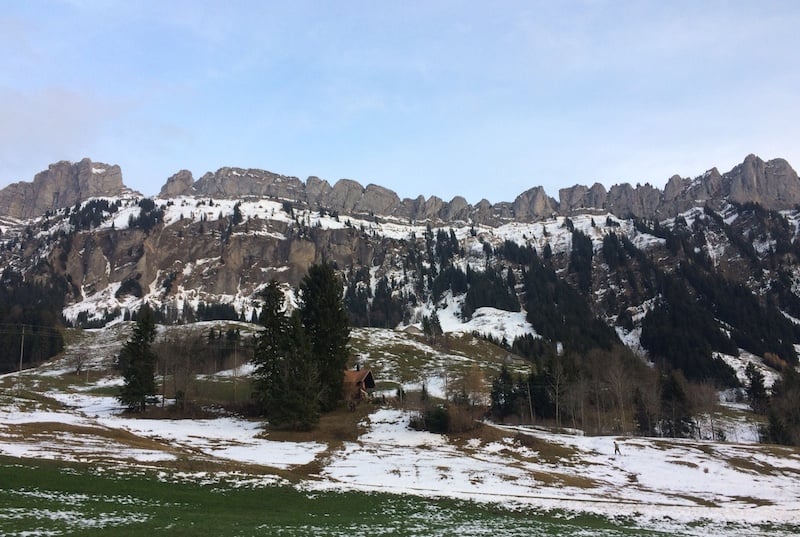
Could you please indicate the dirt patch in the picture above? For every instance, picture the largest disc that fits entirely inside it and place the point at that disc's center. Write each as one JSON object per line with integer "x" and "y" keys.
{"x": 56, "y": 431}
{"x": 698, "y": 501}
{"x": 564, "y": 480}
{"x": 341, "y": 425}
{"x": 757, "y": 467}
{"x": 547, "y": 451}
{"x": 684, "y": 463}
{"x": 760, "y": 502}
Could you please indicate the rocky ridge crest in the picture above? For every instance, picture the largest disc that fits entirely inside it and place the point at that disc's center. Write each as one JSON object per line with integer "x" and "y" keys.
{"x": 773, "y": 184}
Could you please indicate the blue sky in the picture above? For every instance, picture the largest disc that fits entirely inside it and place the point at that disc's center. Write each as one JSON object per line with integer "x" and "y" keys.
{"x": 480, "y": 99}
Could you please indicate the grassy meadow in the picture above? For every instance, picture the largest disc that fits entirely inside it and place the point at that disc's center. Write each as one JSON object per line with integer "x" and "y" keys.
{"x": 50, "y": 498}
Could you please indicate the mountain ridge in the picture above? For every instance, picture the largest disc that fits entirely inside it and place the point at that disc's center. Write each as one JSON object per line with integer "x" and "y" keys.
{"x": 773, "y": 184}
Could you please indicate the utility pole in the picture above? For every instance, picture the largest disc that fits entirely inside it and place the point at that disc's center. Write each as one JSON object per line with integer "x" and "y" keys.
{"x": 21, "y": 351}
{"x": 530, "y": 400}
{"x": 235, "y": 370}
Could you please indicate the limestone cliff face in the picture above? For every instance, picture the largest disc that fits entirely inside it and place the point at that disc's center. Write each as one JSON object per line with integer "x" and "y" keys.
{"x": 533, "y": 204}
{"x": 240, "y": 183}
{"x": 579, "y": 197}
{"x": 378, "y": 200}
{"x": 62, "y": 185}
{"x": 345, "y": 196}
{"x": 179, "y": 184}
{"x": 772, "y": 184}
{"x": 191, "y": 256}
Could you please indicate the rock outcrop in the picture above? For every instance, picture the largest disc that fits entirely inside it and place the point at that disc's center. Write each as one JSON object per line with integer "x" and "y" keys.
{"x": 773, "y": 185}
{"x": 533, "y": 204}
{"x": 62, "y": 185}
{"x": 179, "y": 184}
{"x": 579, "y": 198}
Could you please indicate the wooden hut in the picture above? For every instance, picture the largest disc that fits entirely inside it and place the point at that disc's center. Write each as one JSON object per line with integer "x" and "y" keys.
{"x": 357, "y": 384}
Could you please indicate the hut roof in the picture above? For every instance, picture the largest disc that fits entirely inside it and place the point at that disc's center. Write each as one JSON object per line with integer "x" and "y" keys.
{"x": 353, "y": 376}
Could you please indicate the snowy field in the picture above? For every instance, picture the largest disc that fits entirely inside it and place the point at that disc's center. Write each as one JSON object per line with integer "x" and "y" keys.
{"x": 685, "y": 487}
{"x": 681, "y": 487}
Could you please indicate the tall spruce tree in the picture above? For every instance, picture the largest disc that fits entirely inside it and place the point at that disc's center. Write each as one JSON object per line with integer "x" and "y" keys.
{"x": 298, "y": 382}
{"x": 269, "y": 347}
{"x": 287, "y": 381}
{"x": 327, "y": 328}
{"x": 138, "y": 363}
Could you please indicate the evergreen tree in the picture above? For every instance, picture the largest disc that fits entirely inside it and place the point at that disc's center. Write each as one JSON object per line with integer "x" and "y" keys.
{"x": 676, "y": 409}
{"x": 269, "y": 347}
{"x": 38, "y": 307}
{"x": 138, "y": 363}
{"x": 580, "y": 259}
{"x": 504, "y": 394}
{"x": 756, "y": 391}
{"x": 386, "y": 311}
{"x": 294, "y": 393}
{"x": 287, "y": 383}
{"x": 431, "y": 327}
{"x": 325, "y": 321}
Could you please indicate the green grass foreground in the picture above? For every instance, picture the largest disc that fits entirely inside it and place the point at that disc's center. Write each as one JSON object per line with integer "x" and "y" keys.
{"x": 48, "y": 498}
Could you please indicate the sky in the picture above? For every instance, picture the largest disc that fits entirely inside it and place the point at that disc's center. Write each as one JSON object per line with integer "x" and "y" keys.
{"x": 472, "y": 98}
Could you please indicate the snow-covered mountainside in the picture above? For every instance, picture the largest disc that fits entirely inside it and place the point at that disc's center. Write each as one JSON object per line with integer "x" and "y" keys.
{"x": 704, "y": 291}
{"x": 184, "y": 254}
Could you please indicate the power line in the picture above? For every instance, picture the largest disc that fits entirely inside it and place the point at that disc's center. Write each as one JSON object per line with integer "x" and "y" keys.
{"x": 12, "y": 329}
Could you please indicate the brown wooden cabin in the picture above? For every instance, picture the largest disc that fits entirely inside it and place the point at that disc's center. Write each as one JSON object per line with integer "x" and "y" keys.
{"x": 357, "y": 384}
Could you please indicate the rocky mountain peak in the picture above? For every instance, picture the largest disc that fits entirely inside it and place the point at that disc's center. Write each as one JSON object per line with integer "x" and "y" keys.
{"x": 62, "y": 185}
{"x": 772, "y": 184}
{"x": 178, "y": 184}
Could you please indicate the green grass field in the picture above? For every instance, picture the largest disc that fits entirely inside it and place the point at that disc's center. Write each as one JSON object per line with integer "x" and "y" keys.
{"x": 48, "y": 498}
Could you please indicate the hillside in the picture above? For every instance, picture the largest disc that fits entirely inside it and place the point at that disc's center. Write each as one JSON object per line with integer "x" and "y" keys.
{"x": 594, "y": 298}
{"x": 666, "y": 321}
{"x": 655, "y": 484}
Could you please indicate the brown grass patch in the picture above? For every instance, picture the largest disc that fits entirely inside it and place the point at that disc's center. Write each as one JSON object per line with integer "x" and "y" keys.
{"x": 758, "y": 467}
{"x": 172, "y": 412}
{"x": 485, "y": 434}
{"x": 46, "y": 429}
{"x": 334, "y": 429}
{"x": 698, "y": 501}
{"x": 684, "y": 463}
{"x": 564, "y": 480}
{"x": 760, "y": 502}
{"x": 340, "y": 425}
{"x": 547, "y": 451}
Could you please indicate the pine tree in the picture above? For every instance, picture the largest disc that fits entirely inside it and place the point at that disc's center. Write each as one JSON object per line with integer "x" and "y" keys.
{"x": 287, "y": 383}
{"x": 325, "y": 322}
{"x": 503, "y": 394}
{"x": 756, "y": 391}
{"x": 138, "y": 363}
{"x": 299, "y": 382}
{"x": 269, "y": 347}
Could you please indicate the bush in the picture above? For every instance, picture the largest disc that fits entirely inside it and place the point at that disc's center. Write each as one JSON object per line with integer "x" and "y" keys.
{"x": 437, "y": 419}
{"x": 443, "y": 419}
